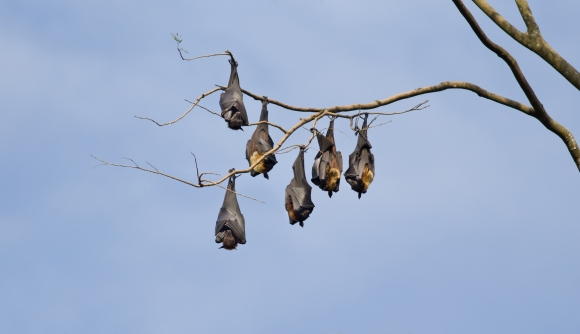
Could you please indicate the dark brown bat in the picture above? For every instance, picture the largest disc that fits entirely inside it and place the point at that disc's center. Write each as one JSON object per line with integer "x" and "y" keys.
{"x": 233, "y": 109}
{"x": 230, "y": 227}
{"x": 298, "y": 201}
{"x": 327, "y": 163}
{"x": 361, "y": 163}
{"x": 260, "y": 143}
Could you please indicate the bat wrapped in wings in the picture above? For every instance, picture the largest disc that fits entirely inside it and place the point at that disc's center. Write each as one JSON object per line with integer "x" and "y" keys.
{"x": 298, "y": 200}
{"x": 260, "y": 143}
{"x": 231, "y": 103}
{"x": 230, "y": 227}
{"x": 327, "y": 163}
{"x": 361, "y": 163}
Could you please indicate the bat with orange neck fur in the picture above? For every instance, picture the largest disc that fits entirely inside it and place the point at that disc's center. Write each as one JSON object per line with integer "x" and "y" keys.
{"x": 361, "y": 163}
{"x": 260, "y": 143}
{"x": 327, "y": 163}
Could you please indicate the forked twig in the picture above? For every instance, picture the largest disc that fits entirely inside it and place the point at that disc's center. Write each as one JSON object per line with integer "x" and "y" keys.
{"x": 186, "y": 112}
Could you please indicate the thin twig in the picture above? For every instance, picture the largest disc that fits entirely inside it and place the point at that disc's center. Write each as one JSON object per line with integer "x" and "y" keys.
{"x": 204, "y": 56}
{"x": 202, "y": 107}
{"x": 196, "y": 169}
{"x": 152, "y": 166}
{"x": 376, "y": 126}
{"x": 186, "y": 112}
{"x": 271, "y": 124}
{"x": 239, "y": 194}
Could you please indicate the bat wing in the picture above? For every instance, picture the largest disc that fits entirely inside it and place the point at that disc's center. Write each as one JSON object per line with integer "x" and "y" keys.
{"x": 324, "y": 143}
{"x": 230, "y": 217}
{"x": 353, "y": 166}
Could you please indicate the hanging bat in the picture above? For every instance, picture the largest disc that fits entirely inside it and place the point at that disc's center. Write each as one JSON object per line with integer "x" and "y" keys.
{"x": 361, "y": 163}
{"x": 230, "y": 227}
{"x": 233, "y": 109}
{"x": 298, "y": 201}
{"x": 327, "y": 163}
{"x": 260, "y": 143}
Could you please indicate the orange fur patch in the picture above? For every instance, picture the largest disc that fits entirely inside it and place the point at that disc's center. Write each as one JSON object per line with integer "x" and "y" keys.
{"x": 290, "y": 209}
{"x": 260, "y": 168}
{"x": 332, "y": 177}
{"x": 367, "y": 178}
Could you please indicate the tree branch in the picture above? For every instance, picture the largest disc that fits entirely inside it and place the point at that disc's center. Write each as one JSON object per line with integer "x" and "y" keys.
{"x": 186, "y": 112}
{"x": 532, "y": 39}
{"x": 539, "y": 112}
{"x": 402, "y": 96}
{"x": 500, "y": 21}
{"x": 528, "y": 17}
{"x": 270, "y": 124}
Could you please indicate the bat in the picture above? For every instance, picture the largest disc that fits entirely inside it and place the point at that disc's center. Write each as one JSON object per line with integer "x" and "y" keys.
{"x": 361, "y": 163}
{"x": 233, "y": 109}
{"x": 298, "y": 201}
{"x": 260, "y": 143}
{"x": 327, "y": 163}
{"x": 230, "y": 227}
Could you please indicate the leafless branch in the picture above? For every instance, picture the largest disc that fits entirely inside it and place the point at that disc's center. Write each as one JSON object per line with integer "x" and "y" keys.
{"x": 202, "y": 107}
{"x": 538, "y": 110}
{"x": 240, "y": 194}
{"x": 186, "y": 112}
{"x": 402, "y": 96}
{"x": 152, "y": 166}
{"x": 199, "y": 185}
{"x": 204, "y": 56}
{"x": 271, "y": 124}
{"x": 532, "y": 39}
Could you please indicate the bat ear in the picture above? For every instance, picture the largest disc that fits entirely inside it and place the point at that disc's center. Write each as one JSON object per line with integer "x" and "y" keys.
{"x": 266, "y": 176}
{"x": 359, "y": 195}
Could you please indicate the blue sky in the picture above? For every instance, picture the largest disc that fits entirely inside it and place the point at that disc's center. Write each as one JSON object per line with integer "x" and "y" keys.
{"x": 471, "y": 224}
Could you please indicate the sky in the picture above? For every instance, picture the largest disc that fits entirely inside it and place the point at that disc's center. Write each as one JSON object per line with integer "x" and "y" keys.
{"x": 470, "y": 226}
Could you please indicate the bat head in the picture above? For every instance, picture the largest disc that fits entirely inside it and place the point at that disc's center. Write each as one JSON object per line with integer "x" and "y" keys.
{"x": 234, "y": 119}
{"x": 229, "y": 242}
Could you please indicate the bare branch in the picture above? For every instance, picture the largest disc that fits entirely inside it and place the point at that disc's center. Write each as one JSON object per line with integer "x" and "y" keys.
{"x": 186, "y": 112}
{"x": 499, "y": 20}
{"x": 152, "y": 166}
{"x": 240, "y": 194}
{"x": 200, "y": 185}
{"x": 146, "y": 170}
{"x": 271, "y": 124}
{"x": 538, "y": 109}
{"x": 202, "y": 107}
{"x": 204, "y": 56}
{"x": 405, "y": 95}
{"x": 532, "y": 39}
{"x": 288, "y": 149}
{"x": 196, "y": 169}
{"x": 528, "y": 17}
